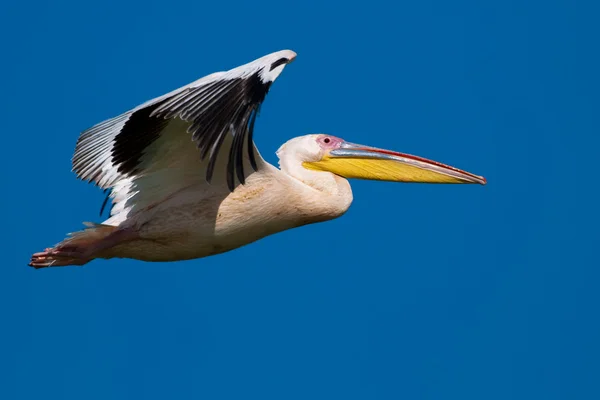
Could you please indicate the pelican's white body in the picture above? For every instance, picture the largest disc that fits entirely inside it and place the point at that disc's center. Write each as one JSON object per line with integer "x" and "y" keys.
{"x": 191, "y": 218}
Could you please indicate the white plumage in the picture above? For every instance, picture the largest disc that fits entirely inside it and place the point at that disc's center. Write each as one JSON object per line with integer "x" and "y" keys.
{"x": 187, "y": 181}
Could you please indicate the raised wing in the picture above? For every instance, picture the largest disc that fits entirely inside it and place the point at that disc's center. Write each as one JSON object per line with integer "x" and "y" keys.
{"x": 210, "y": 109}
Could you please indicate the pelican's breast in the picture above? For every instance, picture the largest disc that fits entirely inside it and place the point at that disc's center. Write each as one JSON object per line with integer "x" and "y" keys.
{"x": 203, "y": 220}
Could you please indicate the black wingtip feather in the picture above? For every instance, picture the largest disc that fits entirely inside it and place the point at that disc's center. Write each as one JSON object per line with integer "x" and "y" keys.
{"x": 251, "y": 140}
{"x": 139, "y": 132}
{"x": 105, "y": 200}
{"x": 213, "y": 157}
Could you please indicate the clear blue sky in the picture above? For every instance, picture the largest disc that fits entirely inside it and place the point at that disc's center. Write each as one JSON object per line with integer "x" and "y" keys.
{"x": 418, "y": 292}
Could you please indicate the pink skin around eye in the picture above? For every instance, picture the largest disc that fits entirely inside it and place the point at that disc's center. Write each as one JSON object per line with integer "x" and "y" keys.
{"x": 329, "y": 142}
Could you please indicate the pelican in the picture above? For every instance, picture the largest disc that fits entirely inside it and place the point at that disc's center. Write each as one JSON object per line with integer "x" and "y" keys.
{"x": 186, "y": 180}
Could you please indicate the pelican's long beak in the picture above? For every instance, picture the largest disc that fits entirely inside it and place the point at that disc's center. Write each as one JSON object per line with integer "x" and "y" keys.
{"x": 362, "y": 162}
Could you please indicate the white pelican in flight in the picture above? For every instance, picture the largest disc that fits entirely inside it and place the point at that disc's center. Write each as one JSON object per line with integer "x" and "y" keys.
{"x": 186, "y": 180}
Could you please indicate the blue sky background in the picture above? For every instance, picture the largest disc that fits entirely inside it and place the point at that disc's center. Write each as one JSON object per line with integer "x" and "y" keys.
{"x": 418, "y": 292}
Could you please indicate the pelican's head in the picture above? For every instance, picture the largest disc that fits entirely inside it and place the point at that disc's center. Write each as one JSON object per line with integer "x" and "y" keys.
{"x": 350, "y": 160}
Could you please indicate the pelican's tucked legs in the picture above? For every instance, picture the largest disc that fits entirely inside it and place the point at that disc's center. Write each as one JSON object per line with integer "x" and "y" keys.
{"x": 83, "y": 246}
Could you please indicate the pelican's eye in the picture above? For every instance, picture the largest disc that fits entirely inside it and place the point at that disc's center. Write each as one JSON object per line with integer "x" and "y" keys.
{"x": 329, "y": 142}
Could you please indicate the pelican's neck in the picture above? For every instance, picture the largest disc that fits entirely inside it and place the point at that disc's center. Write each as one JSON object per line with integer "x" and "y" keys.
{"x": 324, "y": 191}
